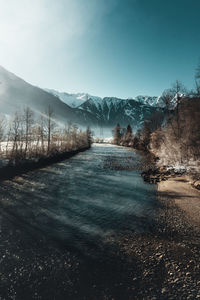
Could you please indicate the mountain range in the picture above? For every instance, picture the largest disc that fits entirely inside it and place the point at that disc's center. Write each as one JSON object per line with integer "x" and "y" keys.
{"x": 75, "y": 100}
{"x": 82, "y": 109}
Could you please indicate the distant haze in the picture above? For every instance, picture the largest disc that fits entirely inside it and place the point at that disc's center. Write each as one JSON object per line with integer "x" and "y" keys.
{"x": 106, "y": 48}
{"x": 82, "y": 109}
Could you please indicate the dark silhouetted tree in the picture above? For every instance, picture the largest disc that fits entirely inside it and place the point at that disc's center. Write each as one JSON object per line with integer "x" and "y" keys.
{"x": 128, "y": 137}
{"x": 89, "y": 136}
{"x": 117, "y": 135}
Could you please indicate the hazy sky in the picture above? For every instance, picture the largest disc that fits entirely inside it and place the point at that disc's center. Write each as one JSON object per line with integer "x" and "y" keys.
{"x": 104, "y": 47}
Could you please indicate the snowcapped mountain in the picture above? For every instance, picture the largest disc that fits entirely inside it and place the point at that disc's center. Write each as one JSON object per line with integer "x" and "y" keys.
{"x": 109, "y": 111}
{"x": 81, "y": 109}
{"x": 148, "y": 100}
{"x": 73, "y": 100}
{"x": 15, "y": 94}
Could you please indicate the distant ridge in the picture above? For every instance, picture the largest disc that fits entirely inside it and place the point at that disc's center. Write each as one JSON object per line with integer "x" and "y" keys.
{"x": 109, "y": 111}
{"x": 82, "y": 109}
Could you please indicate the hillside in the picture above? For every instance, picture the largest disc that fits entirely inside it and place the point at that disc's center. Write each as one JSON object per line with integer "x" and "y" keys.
{"x": 82, "y": 109}
{"x": 16, "y": 93}
{"x": 73, "y": 100}
{"x": 110, "y": 111}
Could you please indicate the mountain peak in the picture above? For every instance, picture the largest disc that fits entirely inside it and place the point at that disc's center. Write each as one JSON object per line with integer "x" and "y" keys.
{"x": 77, "y": 99}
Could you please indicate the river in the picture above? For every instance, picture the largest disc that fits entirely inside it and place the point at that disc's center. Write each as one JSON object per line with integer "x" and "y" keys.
{"x": 90, "y": 228}
{"x": 82, "y": 200}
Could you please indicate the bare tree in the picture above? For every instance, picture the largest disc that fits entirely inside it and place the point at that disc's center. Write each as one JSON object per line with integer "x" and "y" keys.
{"x": 179, "y": 142}
{"x": 41, "y": 132}
{"x": 28, "y": 119}
{"x": 50, "y": 125}
{"x": 166, "y": 98}
{"x": 197, "y": 80}
{"x": 16, "y": 136}
{"x": 9, "y": 131}
{"x": 2, "y": 130}
{"x": 178, "y": 89}
{"x": 28, "y": 138}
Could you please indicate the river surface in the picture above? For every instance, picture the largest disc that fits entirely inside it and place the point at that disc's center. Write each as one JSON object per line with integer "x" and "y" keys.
{"x": 82, "y": 200}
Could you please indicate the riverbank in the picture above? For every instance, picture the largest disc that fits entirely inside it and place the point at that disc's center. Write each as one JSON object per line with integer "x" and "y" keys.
{"x": 161, "y": 264}
{"x": 181, "y": 191}
{"x": 10, "y": 171}
{"x": 166, "y": 260}
{"x": 98, "y": 243}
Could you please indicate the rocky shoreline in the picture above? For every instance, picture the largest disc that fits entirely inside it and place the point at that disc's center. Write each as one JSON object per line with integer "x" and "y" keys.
{"x": 160, "y": 264}
{"x": 167, "y": 257}
{"x": 155, "y": 175}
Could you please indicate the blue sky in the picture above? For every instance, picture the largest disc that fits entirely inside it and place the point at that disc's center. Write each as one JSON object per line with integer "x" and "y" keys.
{"x": 120, "y": 48}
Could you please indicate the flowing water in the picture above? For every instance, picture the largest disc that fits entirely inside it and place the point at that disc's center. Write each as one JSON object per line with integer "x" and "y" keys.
{"x": 82, "y": 200}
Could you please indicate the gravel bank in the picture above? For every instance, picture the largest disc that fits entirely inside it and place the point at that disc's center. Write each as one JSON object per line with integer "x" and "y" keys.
{"x": 161, "y": 264}
{"x": 168, "y": 257}
{"x": 184, "y": 195}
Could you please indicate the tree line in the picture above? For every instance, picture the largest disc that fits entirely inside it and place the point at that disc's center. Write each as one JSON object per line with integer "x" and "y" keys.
{"x": 177, "y": 142}
{"x": 172, "y": 136}
{"x": 27, "y": 136}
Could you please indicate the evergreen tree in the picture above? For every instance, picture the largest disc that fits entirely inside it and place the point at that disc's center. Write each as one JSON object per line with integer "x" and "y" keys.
{"x": 128, "y": 136}
{"x": 89, "y": 136}
{"x": 146, "y": 136}
{"x": 117, "y": 135}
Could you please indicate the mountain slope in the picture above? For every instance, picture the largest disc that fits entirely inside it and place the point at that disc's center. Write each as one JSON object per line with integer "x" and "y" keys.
{"x": 73, "y": 100}
{"x": 148, "y": 100}
{"x": 15, "y": 94}
{"x": 83, "y": 109}
{"x": 109, "y": 111}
